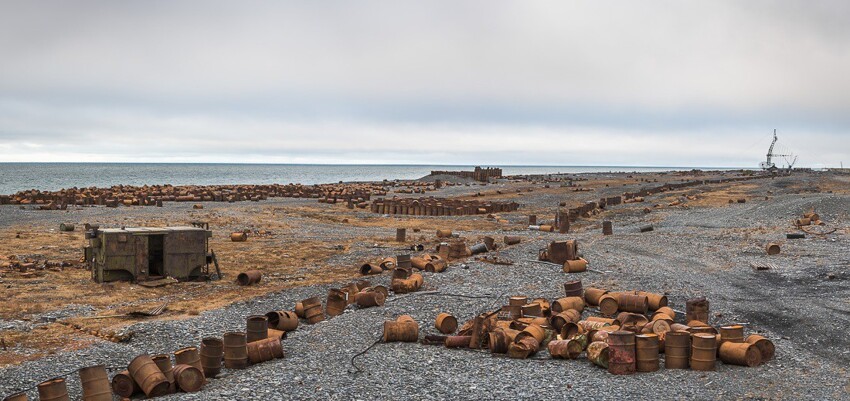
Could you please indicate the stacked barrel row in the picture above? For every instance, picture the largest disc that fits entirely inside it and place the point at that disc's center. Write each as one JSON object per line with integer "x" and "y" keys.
{"x": 432, "y": 206}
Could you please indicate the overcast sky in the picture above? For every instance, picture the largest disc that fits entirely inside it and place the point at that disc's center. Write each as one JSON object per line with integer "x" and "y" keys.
{"x": 650, "y": 83}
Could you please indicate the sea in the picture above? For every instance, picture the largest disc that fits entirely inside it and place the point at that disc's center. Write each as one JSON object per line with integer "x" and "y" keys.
{"x": 16, "y": 177}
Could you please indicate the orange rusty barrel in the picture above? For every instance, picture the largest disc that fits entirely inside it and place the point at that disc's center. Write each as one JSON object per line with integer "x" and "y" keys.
{"x": 607, "y": 228}
{"x": 249, "y": 277}
{"x": 662, "y": 316}
{"x": 575, "y": 266}
{"x": 123, "y": 384}
{"x": 593, "y": 295}
{"x": 264, "y": 350}
{"x": 313, "y": 310}
{"x": 283, "y": 320}
{"x": 17, "y": 397}
{"x": 150, "y": 379}
{"x": 666, "y": 310}
{"x": 512, "y": 240}
{"x": 368, "y": 299}
{"x": 444, "y": 233}
{"x": 238, "y": 237}
{"x": 531, "y": 310}
{"x": 522, "y": 348}
{"x": 277, "y": 334}
{"x": 697, "y": 309}
{"x": 764, "y": 345}
{"x": 400, "y": 234}
{"x": 379, "y": 288}
{"x": 573, "y": 288}
{"x": 517, "y": 300}
{"x": 621, "y": 353}
{"x": 703, "y": 351}
{"x": 656, "y": 301}
{"x": 608, "y": 305}
{"x": 235, "y": 350}
{"x": 532, "y": 330}
{"x": 458, "y": 341}
{"x": 436, "y": 266}
{"x": 188, "y": 377}
{"x": 212, "y": 350}
{"x": 677, "y": 349}
{"x": 597, "y": 352}
{"x": 633, "y": 303}
{"x": 646, "y": 352}
{"x": 256, "y": 329}
{"x": 403, "y": 329}
{"x": 95, "y": 384}
{"x": 336, "y": 302}
{"x": 772, "y": 248}
{"x": 299, "y": 309}
{"x": 401, "y": 273}
{"x": 656, "y": 327}
{"x": 545, "y": 306}
{"x": 733, "y": 333}
{"x": 559, "y": 320}
{"x": 546, "y": 227}
{"x": 368, "y": 269}
{"x": 446, "y": 323}
{"x": 53, "y": 390}
{"x": 163, "y": 362}
{"x": 743, "y": 354}
{"x": 564, "y": 349}
{"x": 563, "y": 304}
{"x": 500, "y": 339}
{"x": 634, "y": 319}
{"x": 350, "y": 291}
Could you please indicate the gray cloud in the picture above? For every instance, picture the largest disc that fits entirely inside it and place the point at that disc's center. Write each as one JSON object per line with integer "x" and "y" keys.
{"x": 660, "y": 83}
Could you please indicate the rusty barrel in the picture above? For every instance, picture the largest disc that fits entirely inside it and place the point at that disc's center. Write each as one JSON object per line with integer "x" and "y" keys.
{"x": 563, "y": 304}
{"x": 628, "y": 318}
{"x": 313, "y": 310}
{"x": 677, "y": 348}
{"x": 531, "y": 310}
{"x": 697, "y": 309}
{"x": 667, "y": 311}
{"x": 633, "y": 303}
{"x": 522, "y": 348}
{"x": 400, "y": 234}
{"x": 17, "y": 397}
{"x": 212, "y": 350}
{"x": 742, "y": 354}
{"x": 235, "y": 350}
{"x": 95, "y": 384}
{"x": 123, "y": 384}
{"x": 597, "y": 352}
{"x": 436, "y": 266}
{"x": 401, "y": 273}
{"x": 608, "y": 305}
{"x": 655, "y": 300}
{"x": 249, "y": 277}
{"x": 53, "y": 390}
{"x": 444, "y": 233}
{"x": 264, "y": 350}
{"x": 532, "y": 330}
{"x": 367, "y": 299}
{"x": 772, "y": 248}
{"x": 703, "y": 351}
{"x": 564, "y": 349}
{"x": 388, "y": 263}
{"x": 512, "y": 240}
{"x": 446, "y": 323}
{"x": 621, "y": 353}
{"x": 188, "y": 378}
{"x": 573, "y": 288}
{"x": 575, "y": 266}
{"x": 188, "y": 356}
{"x": 256, "y": 328}
{"x": 500, "y": 339}
{"x": 238, "y": 237}
{"x": 733, "y": 333}
{"x": 764, "y": 346}
{"x": 559, "y": 320}
{"x": 607, "y": 228}
{"x": 66, "y": 227}
{"x": 163, "y": 362}
{"x": 518, "y": 300}
{"x": 403, "y": 261}
{"x": 592, "y": 295}
{"x": 336, "y": 302}
{"x": 150, "y": 379}
{"x": 299, "y": 309}
{"x": 403, "y": 329}
{"x": 458, "y": 341}
{"x": 646, "y": 352}
{"x": 368, "y": 269}
{"x": 283, "y": 320}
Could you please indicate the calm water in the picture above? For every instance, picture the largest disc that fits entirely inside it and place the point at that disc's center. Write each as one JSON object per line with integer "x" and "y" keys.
{"x": 16, "y": 177}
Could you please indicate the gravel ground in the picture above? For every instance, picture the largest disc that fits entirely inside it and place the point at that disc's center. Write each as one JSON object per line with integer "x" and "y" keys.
{"x": 692, "y": 252}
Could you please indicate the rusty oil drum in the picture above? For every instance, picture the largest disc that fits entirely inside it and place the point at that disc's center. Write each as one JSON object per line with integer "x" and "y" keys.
{"x": 597, "y": 352}
{"x": 566, "y": 303}
{"x": 256, "y": 329}
{"x": 235, "y": 350}
{"x": 17, "y": 397}
{"x": 697, "y": 309}
{"x": 742, "y": 354}
{"x": 500, "y": 339}
{"x": 369, "y": 299}
{"x": 313, "y": 310}
{"x": 95, "y": 384}
{"x": 573, "y": 288}
{"x": 633, "y": 303}
{"x": 249, "y": 277}
{"x": 188, "y": 377}
{"x": 212, "y": 350}
{"x": 264, "y": 350}
{"x": 446, "y": 323}
{"x": 282, "y": 320}
{"x": 123, "y": 385}
{"x": 150, "y": 379}
{"x": 621, "y": 353}
{"x": 677, "y": 349}
{"x": 53, "y": 390}
{"x": 703, "y": 351}
{"x": 403, "y": 329}
{"x": 458, "y": 341}
{"x": 608, "y": 305}
{"x": 564, "y": 349}
{"x": 163, "y": 362}
{"x": 646, "y": 352}
{"x": 188, "y": 356}
{"x": 592, "y": 295}
{"x": 764, "y": 346}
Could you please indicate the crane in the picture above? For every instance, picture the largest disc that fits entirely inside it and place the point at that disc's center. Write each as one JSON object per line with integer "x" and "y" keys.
{"x": 769, "y": 164}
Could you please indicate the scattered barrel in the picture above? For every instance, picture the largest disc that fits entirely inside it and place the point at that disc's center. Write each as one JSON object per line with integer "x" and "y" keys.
{"x": 444, "y": 233}
{"x": 369, "y": 269}
{"x": 150, "y": 379}
{"x": 212, "y": 350}
{"x": 592, "y": 295}
{"x": 512, "y": 240}
{"x": 163, "y": 362}
{"x": 500, "y": 339}
{"x": 697, "y": 309}
{"x": 573, "y": 288}
{"x": 564, "y": 349}
{"x": 608, "y": 305}
{"x": 257, "y": 328}
{"x": 646, "y": 352}
{"x": 607, "y": 228}
{"x": 313, "y": 310}
{"x": 772, "y": 248}
{"x": 66, "y": 227}
{"x": 336, "y": 302}
{"x": 95, "y": 384}
{"x": 764, "y": 346}
{"x": 597, "y": 352}
{"x": 264, "y": 350}
{"x": 733, "y": 333}
{"x": 403, "y": 329}
{"x": 532, "y": 330}
{"x": 53, "y": 390}
{"x": 368, "y": 299}
{"x": 123, "y": 385}
{"x": 282, "y": 320}
{"x": 238, "y": 237}
{"x": 249, "y": 277}
{"x": 621, "y": 353}
{"x": 458, "y": 341}
{"x": 188, "y": 377}
{"x": 677, "y": 349}
{"x": 654, "y": 300}
{"x": 436, "y": 266}
{"x": 743, "y": 354}
{"x": 703, "y": 351}
{"x": 401, "y": 235}
{"x": 633, "y": 303}
{"x": 522, "y": 348}
{"x": 235, "y": 350}
{"x": 188, "y": 356}
{"x": 17, "y": 397}
{"x": 446, "y": 323}
{"x": 563, "y": 304}
{"x": 667, "y": 311}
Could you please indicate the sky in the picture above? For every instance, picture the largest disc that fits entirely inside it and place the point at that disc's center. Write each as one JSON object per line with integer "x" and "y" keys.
{"x": 649, "y": 83}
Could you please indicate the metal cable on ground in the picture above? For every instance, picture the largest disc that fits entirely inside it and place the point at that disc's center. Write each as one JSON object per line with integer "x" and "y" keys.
{"x": 356, "y": 368}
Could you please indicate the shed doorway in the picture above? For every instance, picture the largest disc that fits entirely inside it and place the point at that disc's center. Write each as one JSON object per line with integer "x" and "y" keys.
{"x": 156, "y": 261}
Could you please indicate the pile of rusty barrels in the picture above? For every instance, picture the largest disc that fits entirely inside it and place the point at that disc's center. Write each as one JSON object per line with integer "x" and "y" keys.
{"x": 630, "y": 334}
{"x": 564, "y": 253}
{"x": 432, "y": 206}
{"x": 427, "y": 262}
{"x": 808, "y": 219}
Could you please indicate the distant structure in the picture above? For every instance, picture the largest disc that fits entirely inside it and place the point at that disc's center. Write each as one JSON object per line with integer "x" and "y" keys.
{"x": 769, "y": 165}
{"x": 479, "y": 174}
